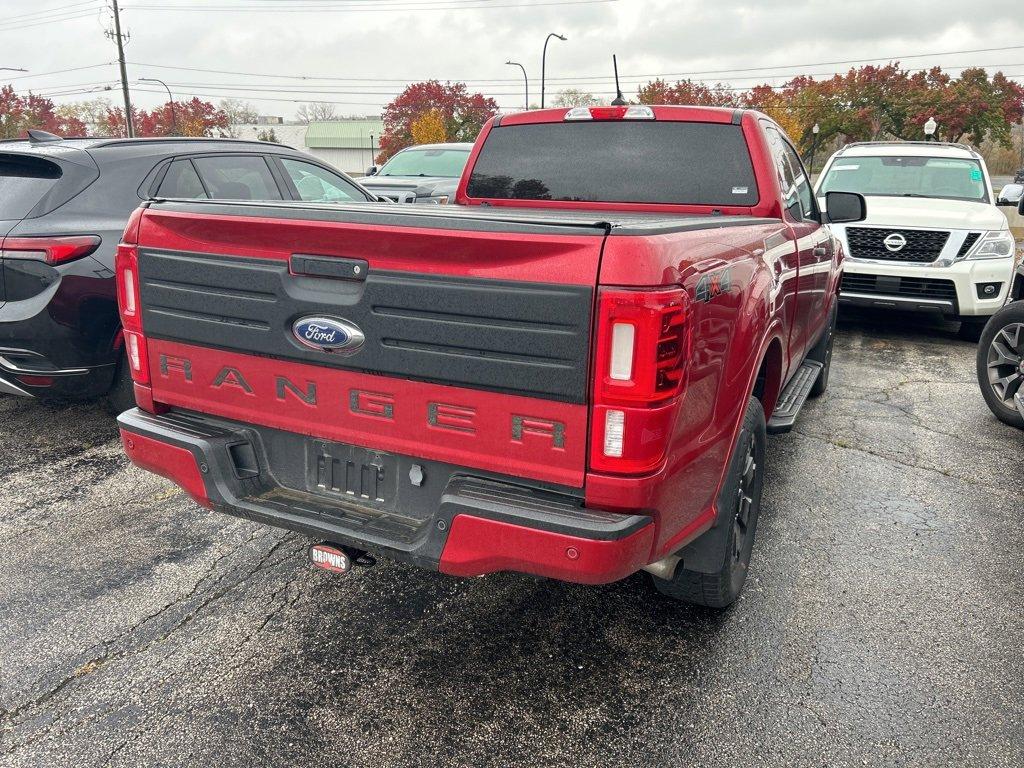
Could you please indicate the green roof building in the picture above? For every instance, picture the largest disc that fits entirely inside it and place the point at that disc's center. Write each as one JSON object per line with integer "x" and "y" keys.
{"x": 349, "y": 145}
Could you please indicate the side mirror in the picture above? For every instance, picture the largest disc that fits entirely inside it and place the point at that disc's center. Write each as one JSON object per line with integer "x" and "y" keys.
{"x": 845, "y": 208}
{"x": 1002, "y": 202}
{"x": 1020, "y": 207}
{"x": 371, "y": 171}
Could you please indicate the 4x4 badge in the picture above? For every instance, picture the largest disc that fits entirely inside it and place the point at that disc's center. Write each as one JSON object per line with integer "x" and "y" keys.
{"x": 713, "y": 284}
{"x": 328, "y": 334}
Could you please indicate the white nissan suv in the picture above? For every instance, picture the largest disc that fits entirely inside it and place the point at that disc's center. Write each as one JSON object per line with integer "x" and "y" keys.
{"x": 933, "y": 239}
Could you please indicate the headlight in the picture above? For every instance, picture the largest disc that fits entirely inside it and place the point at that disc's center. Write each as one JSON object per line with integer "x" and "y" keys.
{"x": 994, "y": 245}
{"x": 439, "y": 200}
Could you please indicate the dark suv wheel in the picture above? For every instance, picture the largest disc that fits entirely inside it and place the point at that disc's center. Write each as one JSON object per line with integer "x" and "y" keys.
{"x": 1001, "y": 364}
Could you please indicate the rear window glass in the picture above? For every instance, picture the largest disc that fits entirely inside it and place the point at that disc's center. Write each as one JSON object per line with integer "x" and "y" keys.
{"x": 617, "y": 162}
{"x": 23, "y": 183}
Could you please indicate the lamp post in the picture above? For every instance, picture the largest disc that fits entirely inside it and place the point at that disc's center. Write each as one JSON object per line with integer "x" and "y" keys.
{"x": 544, "y": 63}
{"x": 170, "y": 98}
{"x": 526, "y": 82}
{"x": 930, "y": 126}
{"x": 816, "y": 129}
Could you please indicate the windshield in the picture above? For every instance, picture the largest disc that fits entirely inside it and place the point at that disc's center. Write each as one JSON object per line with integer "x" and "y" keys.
{"x": 427, "y": 162}
{"x": 673, "y": 163}
{"x": 944, "y": 177}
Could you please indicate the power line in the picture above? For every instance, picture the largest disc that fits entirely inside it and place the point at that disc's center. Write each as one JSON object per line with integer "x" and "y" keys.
{"x": 44, "y": 22}
{"x": 47, "y": 12}
{"x": 360, "y": 9}
{"x": 61, "y": 71}
{"x": 637, "y": 77}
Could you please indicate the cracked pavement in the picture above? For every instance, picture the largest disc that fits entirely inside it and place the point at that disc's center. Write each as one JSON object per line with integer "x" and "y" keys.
{"x": 881, "y": 625}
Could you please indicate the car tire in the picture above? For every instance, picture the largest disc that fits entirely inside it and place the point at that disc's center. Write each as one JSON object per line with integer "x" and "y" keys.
{"x": 121, "y": 396}
{"x": 739, "y": 508}
{"x": 971, "y": 328}
{"x": 999, "y": 360}
{"x": 822, "y": 353}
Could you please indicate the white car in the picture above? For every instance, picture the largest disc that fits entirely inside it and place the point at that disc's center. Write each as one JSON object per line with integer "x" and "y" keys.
{"x": 933, "y": 239}
{"x": 1010, "y": 194}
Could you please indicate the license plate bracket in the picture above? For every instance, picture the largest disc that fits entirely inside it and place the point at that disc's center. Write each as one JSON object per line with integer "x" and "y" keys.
{"x": 343, "y": 471}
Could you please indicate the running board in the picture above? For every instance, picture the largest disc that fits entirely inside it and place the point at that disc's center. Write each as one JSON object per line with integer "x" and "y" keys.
{"x": 793, "y": 397}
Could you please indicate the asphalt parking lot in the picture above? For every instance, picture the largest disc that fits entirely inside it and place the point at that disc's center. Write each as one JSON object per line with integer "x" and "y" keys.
{"x": 882, "y": 623}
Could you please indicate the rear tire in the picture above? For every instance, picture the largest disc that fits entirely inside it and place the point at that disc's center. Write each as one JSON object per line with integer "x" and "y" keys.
{"x": 121, "y": 396}
{"x": 1000, "y": 354}
{"x": 822, "y": 353}
{"x": 739, "y": 508}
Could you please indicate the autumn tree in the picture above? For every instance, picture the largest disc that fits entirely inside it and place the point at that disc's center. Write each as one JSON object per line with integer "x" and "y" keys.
{"x": 428, "y": 128}
{"x": 574, "y": 97}
{"x": 18, "y": 114}
{"x": 687, "y": 92}
{"x": 462, "y": 113}
{"x": 182, "y": 118}
{"x": 91, "y": 112}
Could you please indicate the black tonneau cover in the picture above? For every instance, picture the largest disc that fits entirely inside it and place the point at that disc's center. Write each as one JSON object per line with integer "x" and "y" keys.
{"x": 482, "y": 218}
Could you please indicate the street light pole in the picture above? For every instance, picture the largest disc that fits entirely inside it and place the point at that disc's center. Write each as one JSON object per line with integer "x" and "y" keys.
{"x": 544, "y": 63}
{"x": 526, "y": 82}
{"x": 930, "y": 126}
{"x": 170, "y": 99}
{"x": 814, "y": 146}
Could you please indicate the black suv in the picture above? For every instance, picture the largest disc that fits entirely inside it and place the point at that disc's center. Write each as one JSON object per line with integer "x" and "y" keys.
{"x": 63, "y": 206}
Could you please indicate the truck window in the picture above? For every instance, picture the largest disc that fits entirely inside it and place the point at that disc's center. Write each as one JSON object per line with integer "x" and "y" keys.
{"x": 796, "y": 186}
{"x": 318, "y": 185}
{"x": 182, "y": 182}
{"x": 443, "y": 163}
{"x": 237, "y": 177}
{"x": 676, "y": 163}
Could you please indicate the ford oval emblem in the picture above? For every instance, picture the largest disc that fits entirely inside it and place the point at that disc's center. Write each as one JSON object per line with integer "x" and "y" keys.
{"x": 328, "y": 334}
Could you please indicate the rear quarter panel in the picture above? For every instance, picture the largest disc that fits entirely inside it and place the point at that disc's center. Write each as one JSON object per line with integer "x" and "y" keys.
{"x": 737, "y": 309}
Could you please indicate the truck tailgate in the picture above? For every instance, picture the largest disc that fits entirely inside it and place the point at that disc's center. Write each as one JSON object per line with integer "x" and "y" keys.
{"x": 477, "y": 327}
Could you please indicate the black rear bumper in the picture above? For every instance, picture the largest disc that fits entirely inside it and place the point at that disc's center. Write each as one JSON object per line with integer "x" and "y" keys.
{"x": 398, "y": 506}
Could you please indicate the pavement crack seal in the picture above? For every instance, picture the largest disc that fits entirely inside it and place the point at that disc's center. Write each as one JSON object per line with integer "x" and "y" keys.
{"x": 12, "y": 718}
{"x": 846, "y": 445}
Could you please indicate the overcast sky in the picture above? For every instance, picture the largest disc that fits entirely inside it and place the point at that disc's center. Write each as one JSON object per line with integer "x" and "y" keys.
{"x": 372, "y": 47}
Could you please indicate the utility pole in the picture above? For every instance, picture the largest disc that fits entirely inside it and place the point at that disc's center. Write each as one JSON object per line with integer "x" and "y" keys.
{"x": 120, "y": 38}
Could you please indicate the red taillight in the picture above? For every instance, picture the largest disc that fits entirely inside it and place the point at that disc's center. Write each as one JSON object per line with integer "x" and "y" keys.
{"x": 126, "y": 270}
{"x": 52, "y": 250}
{"x": 607, "y": 113}
{"x": 643, "y": 345}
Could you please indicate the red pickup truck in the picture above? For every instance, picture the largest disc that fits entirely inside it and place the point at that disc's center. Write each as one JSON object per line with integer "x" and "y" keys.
{"x": 570, "y": 373}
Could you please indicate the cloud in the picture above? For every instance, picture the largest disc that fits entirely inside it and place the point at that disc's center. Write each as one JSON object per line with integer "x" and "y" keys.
{"x": 386, "y": 49}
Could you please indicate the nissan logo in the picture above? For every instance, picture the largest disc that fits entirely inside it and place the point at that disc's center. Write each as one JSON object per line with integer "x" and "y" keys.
{"x": 895, "y": 242}
{"x": 328, "y": 334}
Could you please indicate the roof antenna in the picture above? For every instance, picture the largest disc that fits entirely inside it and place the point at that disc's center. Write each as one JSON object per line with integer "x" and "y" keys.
{"x": 618, "y": 101}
